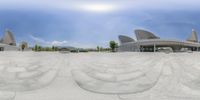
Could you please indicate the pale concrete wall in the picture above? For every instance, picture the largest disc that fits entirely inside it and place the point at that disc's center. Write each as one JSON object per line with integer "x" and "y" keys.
{"x": 8, "y": 47}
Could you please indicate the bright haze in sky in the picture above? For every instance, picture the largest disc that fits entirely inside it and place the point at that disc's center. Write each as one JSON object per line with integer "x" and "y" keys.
{"x": 88, "y": 23}
{"x": 98, "y": 7}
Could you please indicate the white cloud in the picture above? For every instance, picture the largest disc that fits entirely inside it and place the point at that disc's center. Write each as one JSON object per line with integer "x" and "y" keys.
{"x": 59, "y": 43}
{"x": 41, "y": 41}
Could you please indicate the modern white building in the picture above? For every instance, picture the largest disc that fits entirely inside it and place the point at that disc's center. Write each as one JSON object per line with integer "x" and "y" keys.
{"x": 8, "y": 43}
{"x": 148, "y": 42}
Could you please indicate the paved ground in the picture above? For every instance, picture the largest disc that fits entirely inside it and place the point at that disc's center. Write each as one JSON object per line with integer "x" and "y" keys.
{"x": 99, "y": 76}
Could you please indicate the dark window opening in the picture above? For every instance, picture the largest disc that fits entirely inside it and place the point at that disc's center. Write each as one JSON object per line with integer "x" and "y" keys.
{"x": 1, "y": 49}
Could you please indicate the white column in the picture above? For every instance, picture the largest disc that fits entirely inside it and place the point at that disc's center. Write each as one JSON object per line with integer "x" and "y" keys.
{"x": 154, "y": 47}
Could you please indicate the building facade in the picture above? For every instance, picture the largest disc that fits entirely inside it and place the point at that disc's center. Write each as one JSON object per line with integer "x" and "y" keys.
{"x": 148, "y": 42}
{"x": 8, "y": 43}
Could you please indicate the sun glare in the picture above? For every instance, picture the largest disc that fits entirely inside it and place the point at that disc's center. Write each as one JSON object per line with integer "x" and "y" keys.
{"x": 98, "y": 7}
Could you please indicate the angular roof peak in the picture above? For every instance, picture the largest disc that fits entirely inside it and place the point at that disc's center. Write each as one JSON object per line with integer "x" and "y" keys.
{"x": 193, "y": 37}
{"x": 8, "y": 38}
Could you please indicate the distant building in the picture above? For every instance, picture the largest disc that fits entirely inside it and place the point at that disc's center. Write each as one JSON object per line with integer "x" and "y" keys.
{"x": 148, "y": 42}
{"x": 24, "y": 45}
{"x": 8, "y": 42}
{"x": 65, "y": 48}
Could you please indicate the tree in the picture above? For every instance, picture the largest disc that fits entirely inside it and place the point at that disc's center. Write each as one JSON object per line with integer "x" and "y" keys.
{"x": 101, "y": 48}
{"x": 36, "y": 48}
{"x": 47, "y": 49}
{"x": 113, "y": 45}
{"x": 23, "y": 47}
{"x": 56, "y": 48}
{"x": 39, "y": 48}
{"x": 98, "y": 48}
{"x": 53, "y": 48}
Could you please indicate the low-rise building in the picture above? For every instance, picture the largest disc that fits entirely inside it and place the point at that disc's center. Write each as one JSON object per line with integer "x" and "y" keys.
{"x": 148, "y": 42}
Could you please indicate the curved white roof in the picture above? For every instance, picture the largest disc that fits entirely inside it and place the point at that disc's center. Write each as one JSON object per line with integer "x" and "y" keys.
{"x": 125, "y": 39}
{"x": 142, "y": 35}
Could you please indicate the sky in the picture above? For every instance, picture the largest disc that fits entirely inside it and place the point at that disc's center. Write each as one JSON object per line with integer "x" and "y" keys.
{"x": 92, "y": 23}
